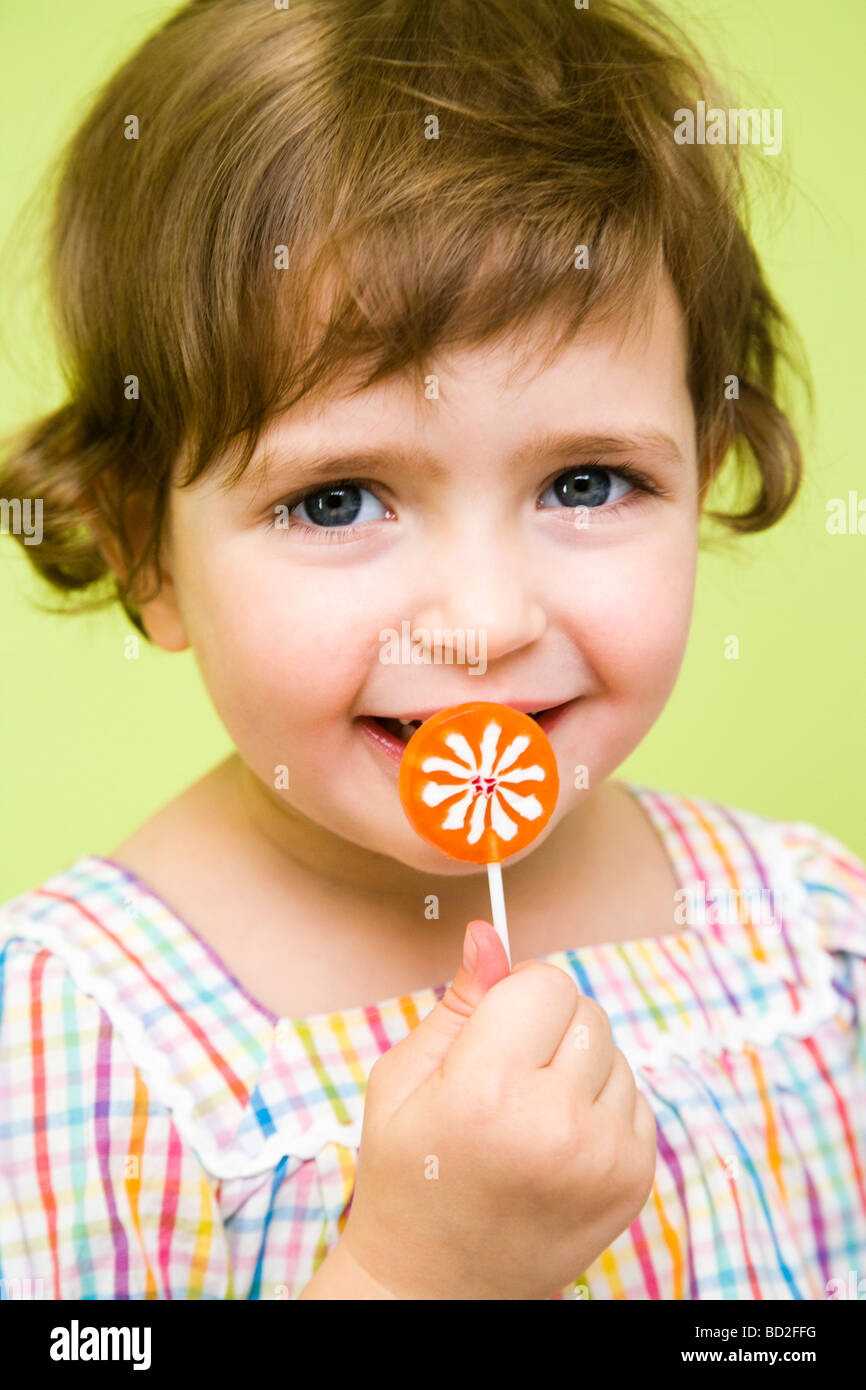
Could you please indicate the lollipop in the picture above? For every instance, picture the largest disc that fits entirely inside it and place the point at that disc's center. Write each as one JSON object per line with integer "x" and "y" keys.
{"x": 479, "y": 781}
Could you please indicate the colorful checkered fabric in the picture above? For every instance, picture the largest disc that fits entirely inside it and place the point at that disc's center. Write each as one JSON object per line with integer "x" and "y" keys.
{"x": 163, "y": 1135}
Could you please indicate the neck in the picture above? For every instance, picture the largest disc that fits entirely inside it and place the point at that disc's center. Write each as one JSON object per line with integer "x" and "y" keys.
{"x": 295, "y": 845}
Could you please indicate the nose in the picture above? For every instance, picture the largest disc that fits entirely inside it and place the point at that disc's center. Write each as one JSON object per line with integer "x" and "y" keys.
{"x": 481, "y": 582}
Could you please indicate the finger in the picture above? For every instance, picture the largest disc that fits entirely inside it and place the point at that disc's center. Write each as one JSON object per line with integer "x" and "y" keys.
{"x": 518, "y": 1024}
{"x": 414, "y": 1060}
{"x": 644, "y": 1121}
{"x": 644, "y": 1143}
{"x": 617, "y": 1095}
{"x": 586, "y": 1053}
{"x": 492, "y": 963}
{"x": 467, "y": 987}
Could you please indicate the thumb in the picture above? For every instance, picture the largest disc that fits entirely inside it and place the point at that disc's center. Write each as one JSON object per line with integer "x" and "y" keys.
{"x": 417, "y": 1057}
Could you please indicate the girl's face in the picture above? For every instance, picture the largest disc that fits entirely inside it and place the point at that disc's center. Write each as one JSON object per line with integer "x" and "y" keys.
{"x": 491, "y": 504}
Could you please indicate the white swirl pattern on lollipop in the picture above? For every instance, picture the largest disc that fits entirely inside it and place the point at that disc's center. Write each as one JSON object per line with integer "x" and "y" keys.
{"x": 482, "y": 782}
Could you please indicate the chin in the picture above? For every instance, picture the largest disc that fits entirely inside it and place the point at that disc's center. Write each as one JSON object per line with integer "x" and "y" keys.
{"x": 429, "y": 860}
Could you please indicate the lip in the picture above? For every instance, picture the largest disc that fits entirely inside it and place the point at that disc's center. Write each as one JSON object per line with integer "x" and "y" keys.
{"x": 522, "y": 707}
{"x": 395, "y": 749}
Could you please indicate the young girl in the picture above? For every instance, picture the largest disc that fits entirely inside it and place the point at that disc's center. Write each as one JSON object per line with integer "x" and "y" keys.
{"x": 379, "y": 314}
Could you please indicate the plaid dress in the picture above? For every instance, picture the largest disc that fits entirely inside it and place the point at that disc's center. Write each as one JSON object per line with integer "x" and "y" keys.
{"x": 163, "y": 1135}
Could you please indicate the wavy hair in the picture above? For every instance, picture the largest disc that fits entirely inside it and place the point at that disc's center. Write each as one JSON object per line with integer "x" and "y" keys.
{"x": 282, "y": 217}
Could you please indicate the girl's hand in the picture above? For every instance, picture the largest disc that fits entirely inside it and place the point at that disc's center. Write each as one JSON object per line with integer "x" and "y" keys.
{"x": 504, "y": 1144}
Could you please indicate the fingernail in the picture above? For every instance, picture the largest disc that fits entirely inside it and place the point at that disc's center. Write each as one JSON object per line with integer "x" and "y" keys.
{"x": 470, "y": 951}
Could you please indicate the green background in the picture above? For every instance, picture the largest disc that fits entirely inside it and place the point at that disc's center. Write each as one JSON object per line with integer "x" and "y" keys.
{"x": 91, "y": 744}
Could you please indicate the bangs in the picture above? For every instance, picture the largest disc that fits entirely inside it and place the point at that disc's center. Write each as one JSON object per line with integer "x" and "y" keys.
{"x": 461, "y": 287}
{"x": 521, "y": 168}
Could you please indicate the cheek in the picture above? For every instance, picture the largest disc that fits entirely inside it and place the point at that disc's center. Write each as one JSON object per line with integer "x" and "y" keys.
{"x": 637, "y": 608}
{"x": 278, "y": 647}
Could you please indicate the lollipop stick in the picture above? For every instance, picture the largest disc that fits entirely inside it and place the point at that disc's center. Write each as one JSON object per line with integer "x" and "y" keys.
{"x": 497, "y": 903}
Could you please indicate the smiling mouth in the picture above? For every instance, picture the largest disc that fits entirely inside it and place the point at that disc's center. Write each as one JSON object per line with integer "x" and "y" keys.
{"x": 404, "y": 732}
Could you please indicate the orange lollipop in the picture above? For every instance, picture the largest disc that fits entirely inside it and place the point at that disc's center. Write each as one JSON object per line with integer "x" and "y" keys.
{"x": 479, "y": 781}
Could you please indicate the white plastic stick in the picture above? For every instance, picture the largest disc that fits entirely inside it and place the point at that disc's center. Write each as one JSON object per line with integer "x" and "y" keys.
{"x": 497, "y": 904}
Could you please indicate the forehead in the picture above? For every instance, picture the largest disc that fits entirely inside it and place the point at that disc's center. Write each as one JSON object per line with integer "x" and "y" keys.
{"x": 528, "y": 396}
{"x": 629, "y": 370}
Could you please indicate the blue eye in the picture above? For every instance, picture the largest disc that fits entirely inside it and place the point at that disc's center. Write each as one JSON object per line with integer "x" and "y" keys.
{"x": 331, "y": 512}
{"x": 338, "y": 505}
{"x": 590, "y": 487}
{"x": 335, "y": 506}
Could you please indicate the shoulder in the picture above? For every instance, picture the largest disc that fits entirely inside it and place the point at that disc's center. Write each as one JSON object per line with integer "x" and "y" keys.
{"x": 833, "y": 879}
{"x": 811, "y": 866}
{"x": 82, "y": 1129}
{"x": 136, "y": 1004}
{"x": 795, "y": 868}
{"x": 70, "y": 993}
{"x": 53, "y": 1019}
{"x": 38, "y": 937}
{"x": 53, "y": 932}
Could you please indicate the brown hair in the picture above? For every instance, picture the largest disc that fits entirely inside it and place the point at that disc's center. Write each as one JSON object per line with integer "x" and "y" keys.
{"x": 306, "y": 129}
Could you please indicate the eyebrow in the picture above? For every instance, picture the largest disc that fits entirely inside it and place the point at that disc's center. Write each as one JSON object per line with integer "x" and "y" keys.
{"x": 310, "y": 466}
